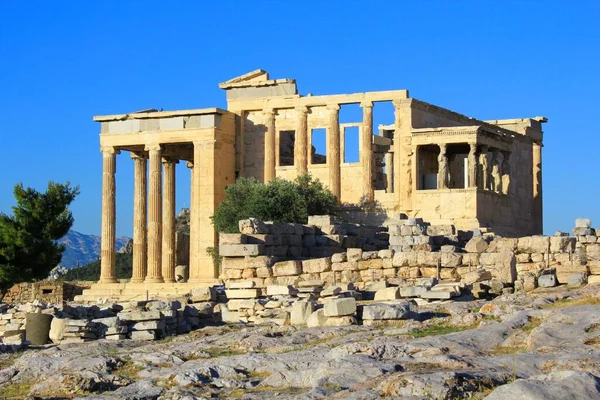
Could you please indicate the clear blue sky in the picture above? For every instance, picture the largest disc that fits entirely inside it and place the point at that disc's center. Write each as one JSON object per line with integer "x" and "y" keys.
{"x": 63, "y": 62}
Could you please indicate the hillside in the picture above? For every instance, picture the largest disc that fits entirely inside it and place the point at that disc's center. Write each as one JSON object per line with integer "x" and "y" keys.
{"x": 91, "y": 271}
{"x": 82, "y": 249}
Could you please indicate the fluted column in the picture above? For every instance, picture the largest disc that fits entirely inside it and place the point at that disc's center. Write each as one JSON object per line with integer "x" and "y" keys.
{"x": 139, "y": 218}
{"x": 269, "y": 173}
{"x": 366, "y": 150}
{"x": 168, "y": 233}
{"x": 155, "y": 215}
{"x": 472, "y": 160}
{"x": 537, "y": 188}
{"x": 442, "y": 168}
{"x": 389, "y": 172}
{"x": 301, "y": 146}
{"x": 333, "y": 151}
{"x": 107, "y": 246}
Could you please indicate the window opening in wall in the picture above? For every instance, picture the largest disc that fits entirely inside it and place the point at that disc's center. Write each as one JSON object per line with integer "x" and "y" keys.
{"x": 383, "y": 132}
{"x": 350, "y": 113}
{"x": 457, "y": 154}
{"x": 428, "y": 167}
{"x": 351, "y": 144}
{"x": 287, "y": 141}
{"x": 318, "y": 141}
{"x": 47, "y": 291}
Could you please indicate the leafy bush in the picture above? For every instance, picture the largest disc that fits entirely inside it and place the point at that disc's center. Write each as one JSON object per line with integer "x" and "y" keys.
{"x": 279, "y": 200}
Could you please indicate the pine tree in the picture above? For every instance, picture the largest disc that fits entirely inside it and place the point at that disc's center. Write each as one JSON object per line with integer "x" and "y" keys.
{"x": 28, "y": 247}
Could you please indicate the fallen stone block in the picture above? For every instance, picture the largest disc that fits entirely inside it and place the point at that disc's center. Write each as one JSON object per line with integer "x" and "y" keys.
{"x": 241, "y": 293}
{"x": 412, "y": 291}
{"x": 340, "y": 321}
{"x": 253, "y": 226}
{"x": 576, "y": 280}
{"x": 478, "y": 275}
{"x": 390, "y": 293}
{"x": 142, "y": 335}
{"x": 320, "y": 220}
{"x": 301, "y": 311}
{"x": 331, "y": 291}
{"x": 232, "y": 238}
{"x": 476, "y": 245}
{"x": 340, "y": 307}
{"x": 385, "y": 311}
{"x": 273, "y": 290}
{"x": 149, "y": 325}
{"x": 438, "y": 295}
{"x": 241, "y": 285}
{"x": 139, "y": 315}
{"x": 548, "y": 280}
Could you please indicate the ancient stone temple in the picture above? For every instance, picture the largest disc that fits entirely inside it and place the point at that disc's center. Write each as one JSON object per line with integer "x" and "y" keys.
{"x": 431, "y": 163}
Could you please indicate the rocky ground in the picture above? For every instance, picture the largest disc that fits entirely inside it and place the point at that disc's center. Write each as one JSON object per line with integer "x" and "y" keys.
{"x": 542, "y": 345}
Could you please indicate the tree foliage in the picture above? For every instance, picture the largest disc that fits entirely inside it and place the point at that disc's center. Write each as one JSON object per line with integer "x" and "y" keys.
{"x": 28, "y": 248}
{"x": 279, "y": 200}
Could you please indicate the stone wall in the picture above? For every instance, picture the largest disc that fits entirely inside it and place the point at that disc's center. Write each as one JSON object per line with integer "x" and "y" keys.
{"x": 416, "y": 250}
{"x": 47, "y": 291}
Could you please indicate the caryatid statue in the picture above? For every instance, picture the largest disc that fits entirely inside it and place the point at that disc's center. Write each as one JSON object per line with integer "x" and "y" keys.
{"x": 484, "y": 168}
{"x": 442, "y": 168}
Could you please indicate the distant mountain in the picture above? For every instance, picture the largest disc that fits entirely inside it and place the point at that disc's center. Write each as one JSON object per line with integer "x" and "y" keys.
{"x": 82, "y": 249}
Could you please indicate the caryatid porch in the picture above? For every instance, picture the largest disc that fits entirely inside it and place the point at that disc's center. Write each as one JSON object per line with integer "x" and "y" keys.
{"x": 157, "y": 141}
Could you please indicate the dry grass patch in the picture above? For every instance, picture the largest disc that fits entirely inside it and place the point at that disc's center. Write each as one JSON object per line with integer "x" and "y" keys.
{"x": 223, "y": 352}
{"x": 570, "y": 302}
{"x": 128, "y": 370}
{"x": 440, "y": 329}
{"x": 533, "y": 323}
{"x": 258, "y": 374}
{"x": 500, "y": 350}
{"x": 593, "y": 342}
{"x": 16, "y": 390}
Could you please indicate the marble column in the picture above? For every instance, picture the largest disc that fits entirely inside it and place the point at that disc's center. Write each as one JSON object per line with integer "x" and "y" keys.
{"x": 472, "y": 161}
{"x": 537, "y": 208}
{"x": 301, "y": 145}
{"x": 484, "y": 171}
{"x": 389, "y": 172}
{"x": 168, "y": 233}
{"x": 107, "y": 245}
{"x": 155, "y": 216}
{"x": 333, "y": 151}
{"x": 366, "y": 150}
{"x": 139, "y": 218}
{"x": 269, "y": 172}
{"x": 442, "y": 168}
{"x": 192, "y": 272}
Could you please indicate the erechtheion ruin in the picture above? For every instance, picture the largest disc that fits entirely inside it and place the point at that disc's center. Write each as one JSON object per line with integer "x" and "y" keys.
{"x": 431, "y": 163}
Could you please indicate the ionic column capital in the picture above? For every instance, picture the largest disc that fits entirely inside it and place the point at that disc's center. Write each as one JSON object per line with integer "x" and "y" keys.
{"x": 301, "y": 109}
{"x": 333, "y": 107}
{"x": 109, "y": 150}
{"x": 153, "y": 147}
{"x": 269, "y": 112}
{"x": 366, "y": 104}
{"x": 139, "y": 155}
{"x": 170, "y": 160}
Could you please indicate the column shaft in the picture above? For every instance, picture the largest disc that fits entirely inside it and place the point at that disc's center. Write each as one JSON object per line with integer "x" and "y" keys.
{"x": 537, "y": 189}
{"x": 389, "y": 172}
{"x": 484, "y": 168}
{"x": 301, "y": 145}
{"x": 366, "y": 151}
{"x": 155, "y": 216}
{"x": 107, "y": 246}
{"x": 168, "y": 234}
{"x": 333, "y": 151}
{"x": 139, "y": 219}
{"x": 269, "y": 173}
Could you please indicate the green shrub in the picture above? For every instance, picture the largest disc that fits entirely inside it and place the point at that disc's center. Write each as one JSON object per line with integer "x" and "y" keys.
{"x": 279, "y": 200}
